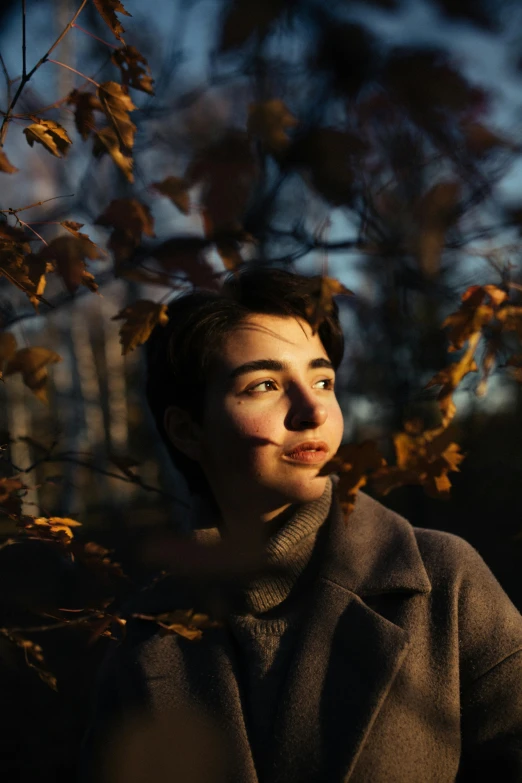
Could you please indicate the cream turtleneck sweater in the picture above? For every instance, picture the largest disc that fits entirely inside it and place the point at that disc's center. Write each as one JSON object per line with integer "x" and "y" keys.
{"x": 268, "y": 614}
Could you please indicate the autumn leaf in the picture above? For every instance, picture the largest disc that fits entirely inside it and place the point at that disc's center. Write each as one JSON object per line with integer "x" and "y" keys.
{"x": 437, "y": 211}
{"x": 34, "y": 657}
{"x": 422, "y": 457}
{"x": 322, "y": 302}
{"x": 353, "y": 462}
{"x": 12, "y": 233}
{"x": 227, "y": 171}
{"x": 13, "y": 265}
{"x": 135, "y": 71}
{"x": 175, "y": 188}
{"x": 329, "y": 157}
{"x": 450, "y": 377}
{"x": 480, "y": 140}
{"x": 269, "y": 121}
{"x": 117, "y": 104}
{"x": 107, "y": 10}
{"x": 37, "y": 269}
{"x": 107, "y": 141}
{"x": 140, "y": 319}
{"x": 5, "y": 164}
{"x": 7, "y": 348}
{"x": 85, "y": 105}
{"x": 69, "y": 253}
{"x": 130, "y": 219}
{"x": 74, "y": 228}
{"x": 50, "y": 134}
{"x": 183, "y": 622}
{"x": 130, "y": 215}
{"x": 469, "y": 318}
{"x": 32, "y": 364}
{"x": 228, "y": 250}
{"x": 10, "y": 499}
{"x": 186, "y": 254}
{"x": 60, "y": 527}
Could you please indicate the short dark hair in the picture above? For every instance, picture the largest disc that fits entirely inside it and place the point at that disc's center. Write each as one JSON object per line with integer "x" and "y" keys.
{"x": 180, "y": 354}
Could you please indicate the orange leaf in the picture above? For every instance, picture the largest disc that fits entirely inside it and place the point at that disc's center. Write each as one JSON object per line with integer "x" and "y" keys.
{"x": 5, "y": 164}
{"x": 135, "y": 71}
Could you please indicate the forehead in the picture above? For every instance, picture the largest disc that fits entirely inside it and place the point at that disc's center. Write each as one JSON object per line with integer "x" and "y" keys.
{"x": 270, "y": 337}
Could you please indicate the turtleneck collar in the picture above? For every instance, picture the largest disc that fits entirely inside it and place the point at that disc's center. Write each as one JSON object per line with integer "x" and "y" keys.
{"x": 288, "y": 553}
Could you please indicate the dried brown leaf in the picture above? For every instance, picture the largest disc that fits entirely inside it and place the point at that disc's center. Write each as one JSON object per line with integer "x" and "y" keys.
{"x": 107, "y": 10}
{"x": 175, "y": 188}
{"x": 68, "y": 254}
{"x": 140, "y": 319}
{"x": 269, "y": 122}
{"x": 85, "y": 104}
{"x": 135, "y": 71}
{"x": 116, "y": 105}
{"x": 32, "y": 364}
{"x": 108, "y": 141}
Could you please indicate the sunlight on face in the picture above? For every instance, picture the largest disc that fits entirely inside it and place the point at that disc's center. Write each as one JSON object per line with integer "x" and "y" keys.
{"x": 271, "y": 389}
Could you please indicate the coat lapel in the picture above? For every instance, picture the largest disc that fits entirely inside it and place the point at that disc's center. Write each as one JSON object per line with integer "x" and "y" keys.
{"x": 348, "y": 655}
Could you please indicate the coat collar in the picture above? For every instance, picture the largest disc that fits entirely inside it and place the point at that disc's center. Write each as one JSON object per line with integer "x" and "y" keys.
{"x": 374, "y": 552}
{"x": 348, "y": 654}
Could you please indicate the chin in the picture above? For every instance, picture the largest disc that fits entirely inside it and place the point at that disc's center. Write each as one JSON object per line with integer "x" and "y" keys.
{"x": 307, "y": 489}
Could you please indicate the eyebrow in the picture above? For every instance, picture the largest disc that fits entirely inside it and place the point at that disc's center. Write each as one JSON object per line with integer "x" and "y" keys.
{"x": 276, "y": 366}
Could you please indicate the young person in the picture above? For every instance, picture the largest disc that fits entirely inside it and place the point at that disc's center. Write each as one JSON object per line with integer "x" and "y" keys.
{"x": 367, "y": 651}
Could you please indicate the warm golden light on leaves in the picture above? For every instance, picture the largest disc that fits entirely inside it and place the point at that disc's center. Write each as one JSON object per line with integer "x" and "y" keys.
{"x": 140, "y": 319}
{"x": 50, "y": 134}
{"x": 353, "y": 462}
{"x": 108, "y": 141}
{"x": 117, "y": 104}
{"x": 68, "y": 253}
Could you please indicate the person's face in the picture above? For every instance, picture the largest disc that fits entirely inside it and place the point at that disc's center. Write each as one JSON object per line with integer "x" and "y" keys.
{"x": 272, "y": 389}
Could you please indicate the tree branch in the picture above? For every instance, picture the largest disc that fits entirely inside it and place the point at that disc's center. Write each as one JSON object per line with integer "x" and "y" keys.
{"x": 27, "y": 76}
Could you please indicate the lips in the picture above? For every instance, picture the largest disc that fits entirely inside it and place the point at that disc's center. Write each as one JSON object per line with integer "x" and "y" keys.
{"x": 309, "y": 451}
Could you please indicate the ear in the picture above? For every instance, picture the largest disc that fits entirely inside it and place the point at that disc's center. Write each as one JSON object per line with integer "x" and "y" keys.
{"x": 182, "y": 431}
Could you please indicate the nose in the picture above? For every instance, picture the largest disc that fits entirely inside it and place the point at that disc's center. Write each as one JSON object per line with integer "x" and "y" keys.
{"x": 306, "y": 410}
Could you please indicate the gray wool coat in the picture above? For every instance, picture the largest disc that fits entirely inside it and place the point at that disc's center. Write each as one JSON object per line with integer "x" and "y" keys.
{"x": 408, "y": 669}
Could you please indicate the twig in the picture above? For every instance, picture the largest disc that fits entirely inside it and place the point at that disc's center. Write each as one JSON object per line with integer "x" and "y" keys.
{"x": 7, "y": 79}
{"x": 11, "y": 211}
{"x": 87, "y": 78}
{"x": 24, "y": 63}
{"x": 22, "y": 223}
{"x": 12, "y": 104}
{"x": 77, "y": 27}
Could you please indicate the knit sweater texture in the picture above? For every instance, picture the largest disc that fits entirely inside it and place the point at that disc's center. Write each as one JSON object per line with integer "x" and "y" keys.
{"x": 268, "y": 614}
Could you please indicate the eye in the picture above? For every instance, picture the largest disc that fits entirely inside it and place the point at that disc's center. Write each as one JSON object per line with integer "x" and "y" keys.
{"x": 329, "y": 383}
{"x": 262, "y": 383}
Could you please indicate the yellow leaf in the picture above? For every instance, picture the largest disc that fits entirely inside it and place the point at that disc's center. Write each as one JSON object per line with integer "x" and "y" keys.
{"x": 5, "y": 164}
{"x": 107, "y": 10}
{"x": 51, "y": 135}
{"x": 32, "y": 364}
{"x": 58, "y": 524}
{"x": 140, "y": 319}
{"x": 107, "y": 141}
